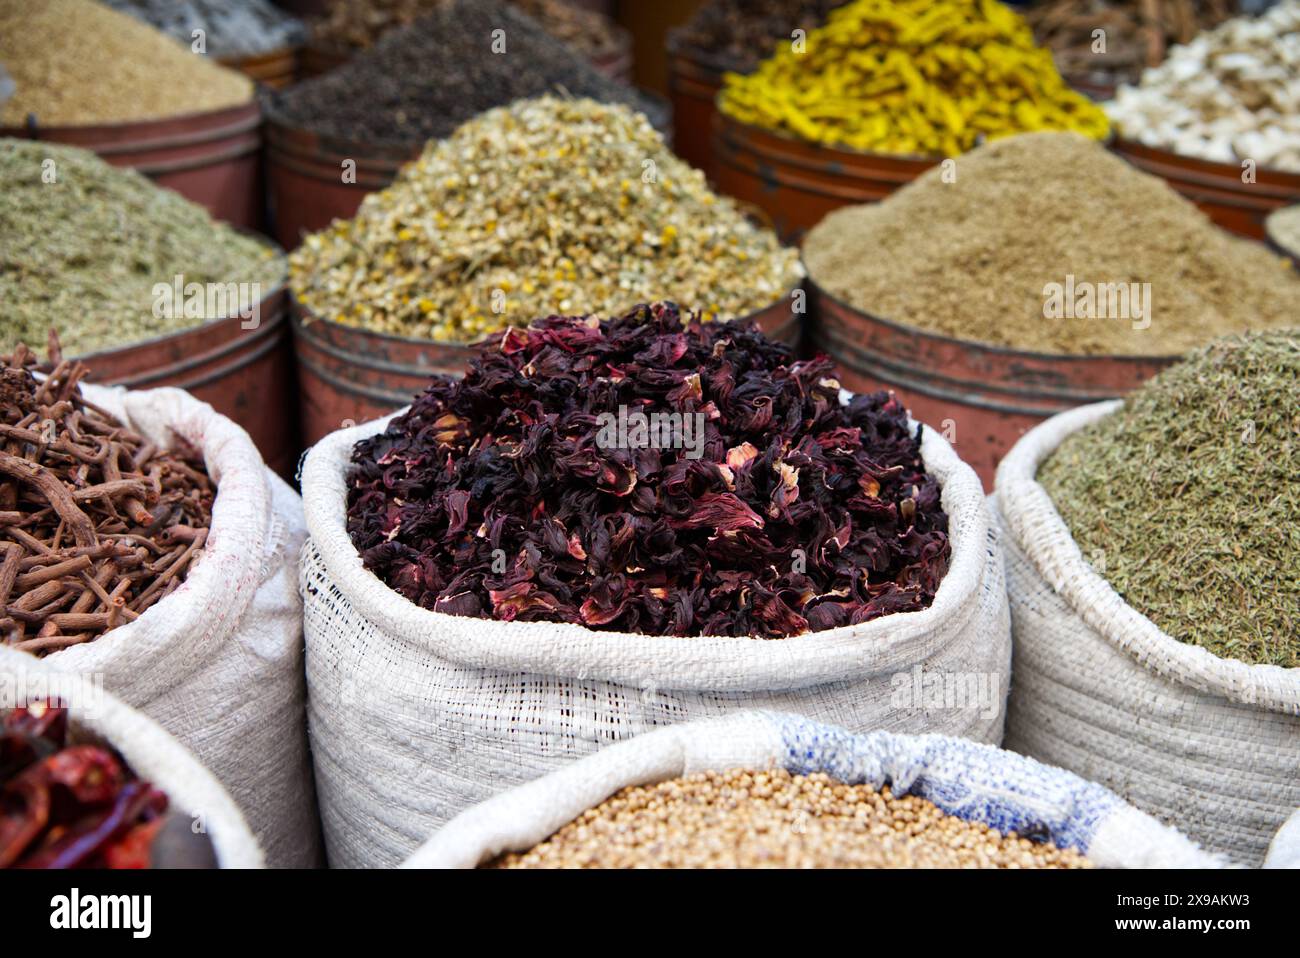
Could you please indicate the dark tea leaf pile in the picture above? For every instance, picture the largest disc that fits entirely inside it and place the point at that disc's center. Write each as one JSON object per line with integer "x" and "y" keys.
{"x": 508, "y": 495}
{"x": 69, "y": 806}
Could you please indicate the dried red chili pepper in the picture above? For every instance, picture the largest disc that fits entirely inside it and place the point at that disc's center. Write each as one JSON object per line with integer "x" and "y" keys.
{"x": 69, "y": 806}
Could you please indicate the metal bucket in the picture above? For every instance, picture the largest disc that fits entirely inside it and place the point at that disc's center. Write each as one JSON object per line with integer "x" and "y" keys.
{"x": 350, "y": 375}
{"x": 211, "y": 158}
{"x": 982, "y": 397}
{"x": 245, "y": 374}
{"x": 275, "y": 68}
{"x": 1217, "y": 188}
{"x": 693, "y": 85}
{"x": 797, "y": 182}
{"x": 305, "y": 184}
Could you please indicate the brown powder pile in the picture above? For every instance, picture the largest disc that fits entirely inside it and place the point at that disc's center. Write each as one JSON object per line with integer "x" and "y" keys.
{"x": 773, "y": 819}
{"x": 973, "y": 257}
{"x": 75, "y": 62}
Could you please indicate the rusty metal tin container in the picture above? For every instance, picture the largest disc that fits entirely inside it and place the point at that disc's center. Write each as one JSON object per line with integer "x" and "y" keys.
{"x": 212, "y": 158}
{"x": 985, "y": 397}
{"x": 693, "y": 85}
{"x": 245, "y": 374}
{"x": 275, "y": 68}
{"x": 1217, "y": 188}
{"x": 350, "y": 375}
{"x": 305, "y": 184}
{"x": 796, "y": 182}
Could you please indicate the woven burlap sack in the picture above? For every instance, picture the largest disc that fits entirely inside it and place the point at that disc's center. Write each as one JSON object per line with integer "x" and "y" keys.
{"x": 219, "y": 662}
{"x": 974, "y": 782}
{"x": 415, "y": 715}
{"x": 148, "y": 750}
{"x": 1208, "y": 745}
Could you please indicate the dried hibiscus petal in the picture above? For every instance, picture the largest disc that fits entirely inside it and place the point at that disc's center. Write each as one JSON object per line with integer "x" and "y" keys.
{"x": 653, "y": 474}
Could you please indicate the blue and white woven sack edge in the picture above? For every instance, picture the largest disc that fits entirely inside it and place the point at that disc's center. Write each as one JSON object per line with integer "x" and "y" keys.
{"x": 967, "y": 779}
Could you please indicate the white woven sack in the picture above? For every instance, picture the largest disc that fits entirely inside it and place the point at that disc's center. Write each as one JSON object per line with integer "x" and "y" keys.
{"x": 974, "y": 782}
{"x": 1209, "y": 745}
{"x": 218, "y": 663}
{"x": 148, "y": 750}
{"x": 415, "y": 715}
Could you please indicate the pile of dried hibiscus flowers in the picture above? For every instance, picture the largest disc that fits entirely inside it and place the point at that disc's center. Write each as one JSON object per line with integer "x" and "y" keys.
{"x": 650, "y": 474}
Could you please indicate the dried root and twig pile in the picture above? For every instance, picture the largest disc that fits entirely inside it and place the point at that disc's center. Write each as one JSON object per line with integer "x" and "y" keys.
{"x": 1138, "y": 32}
{"x": 96, "y": 522}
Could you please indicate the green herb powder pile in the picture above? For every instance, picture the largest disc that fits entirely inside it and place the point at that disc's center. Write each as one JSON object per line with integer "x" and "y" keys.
{"x": 84, "y": 252}
{"x": 1190, "y": 493}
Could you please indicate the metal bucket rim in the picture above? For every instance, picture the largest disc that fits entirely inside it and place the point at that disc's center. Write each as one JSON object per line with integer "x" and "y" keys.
{"x": 278, "y": 290}
{"x": 301, "y": 314}
{"x": 411, "y": 150}
{"x": 753, "y": 130}
{"x": 1130, "y": 147}
{"x": 275, "y": 53}
{"x": 24, "y": 132}
{"x": 678, "y": 47}
{"x": 975, "y": 345}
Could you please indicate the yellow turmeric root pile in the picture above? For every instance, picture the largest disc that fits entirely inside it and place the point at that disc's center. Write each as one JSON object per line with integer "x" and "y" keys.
{"x": 928, "y": 77}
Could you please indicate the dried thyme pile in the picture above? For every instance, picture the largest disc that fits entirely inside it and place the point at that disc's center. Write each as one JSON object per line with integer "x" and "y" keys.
{"x": 547, "y": 206}
{"x": 84, "y": 251}
{"x": 423, "y": 81}
{"x": 1186, "y": 499}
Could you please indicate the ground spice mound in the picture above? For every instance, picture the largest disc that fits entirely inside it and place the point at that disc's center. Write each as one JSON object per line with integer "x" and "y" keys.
{"x": 772, "y": 819}
{"x": 546, "y": 206}
{"x": 423, "y": 81}
{"x": 738, "y": 34}
{"x": 972, "y": 258}
{"x": 85, "y": 251}
{"x": 1185, "y": 500}
{"x": 927, "y": 77}
{"x": 526, "y": 490}
{"x": 77, "y": 62}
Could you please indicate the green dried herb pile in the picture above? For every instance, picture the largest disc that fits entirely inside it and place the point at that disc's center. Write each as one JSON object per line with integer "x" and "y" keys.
{"x": 85, "y": 251}
{"x": 1187, "y": 499}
